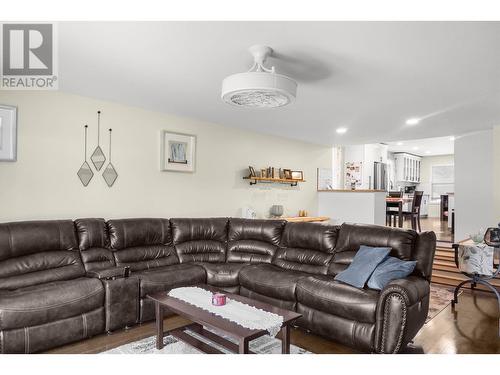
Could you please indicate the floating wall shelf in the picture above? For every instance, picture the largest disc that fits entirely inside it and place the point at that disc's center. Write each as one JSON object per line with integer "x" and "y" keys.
{"x": 255, "y": 180}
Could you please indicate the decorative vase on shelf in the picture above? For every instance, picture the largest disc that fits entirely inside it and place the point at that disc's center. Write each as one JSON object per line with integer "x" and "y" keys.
{"x": 276, "y": 210}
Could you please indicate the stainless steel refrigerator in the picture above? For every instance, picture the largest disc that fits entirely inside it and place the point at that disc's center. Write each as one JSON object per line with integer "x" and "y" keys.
{"x": 379, "y": 176}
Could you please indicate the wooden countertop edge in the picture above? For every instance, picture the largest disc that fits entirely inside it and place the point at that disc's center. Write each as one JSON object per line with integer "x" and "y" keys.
{"x": 351, "y": 191}
{"x": 305, "y": 219}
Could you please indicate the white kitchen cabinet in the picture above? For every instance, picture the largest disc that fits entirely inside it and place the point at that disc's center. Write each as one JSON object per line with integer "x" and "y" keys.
{"x": 407, "y": 167}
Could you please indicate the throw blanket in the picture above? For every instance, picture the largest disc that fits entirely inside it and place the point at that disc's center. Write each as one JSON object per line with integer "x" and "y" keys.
{"x": 235, "y": 311}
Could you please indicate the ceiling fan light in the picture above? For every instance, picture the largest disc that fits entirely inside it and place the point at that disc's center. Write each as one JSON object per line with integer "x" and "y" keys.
{"x": 258, "y": 90}
{"x": 260, "y": 87}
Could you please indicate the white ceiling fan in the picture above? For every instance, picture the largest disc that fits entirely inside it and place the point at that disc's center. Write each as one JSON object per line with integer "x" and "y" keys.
{"x": 260, "y": 87}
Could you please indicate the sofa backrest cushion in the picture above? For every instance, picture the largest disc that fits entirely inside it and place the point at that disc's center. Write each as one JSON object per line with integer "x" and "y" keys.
{"x": 200, "y": 240}
{"x": 253, "y": 241}
{"x": 93, "y": 242}
{"x": 352, "y": 236}
{"x": 29, "y": 237}
{"x": 306, "y": 247}
{"x": 35, "y": 252}
{"x": 124, "y": 233}
{"x": 141, "y": 243}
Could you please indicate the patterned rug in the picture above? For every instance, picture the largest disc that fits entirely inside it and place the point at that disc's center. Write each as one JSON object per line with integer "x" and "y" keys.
{"x": 261, "y": 345}
{"x": 440, "y": 298}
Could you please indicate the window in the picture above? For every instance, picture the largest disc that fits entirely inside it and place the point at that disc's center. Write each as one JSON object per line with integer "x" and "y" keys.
{"x": 442, "y": 180}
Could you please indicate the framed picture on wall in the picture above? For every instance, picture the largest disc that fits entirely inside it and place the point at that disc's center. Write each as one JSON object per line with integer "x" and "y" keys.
{"x": 8, "y": 133}
{"x": 178, "y": 152}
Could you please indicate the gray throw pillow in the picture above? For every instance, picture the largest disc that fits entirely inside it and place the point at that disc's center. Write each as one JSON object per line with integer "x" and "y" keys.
{"x": 390, "y": 269}
{"x": 363, "y": 264}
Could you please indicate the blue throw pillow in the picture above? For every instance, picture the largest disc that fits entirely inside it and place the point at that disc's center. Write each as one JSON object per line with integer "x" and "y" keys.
{"x": 363, "y": 264}
{"x": 390, "y": 269}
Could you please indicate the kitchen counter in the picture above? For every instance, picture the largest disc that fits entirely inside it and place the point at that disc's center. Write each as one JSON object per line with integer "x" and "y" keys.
{"x": 366, "y": 206}
{"x": 305, "y": 219}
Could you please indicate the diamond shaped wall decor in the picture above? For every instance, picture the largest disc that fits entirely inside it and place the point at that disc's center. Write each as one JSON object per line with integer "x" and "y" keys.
{"x": 98, "y": 158}
{"x": 85, "y": 174}
{"x": 110, "y": 175}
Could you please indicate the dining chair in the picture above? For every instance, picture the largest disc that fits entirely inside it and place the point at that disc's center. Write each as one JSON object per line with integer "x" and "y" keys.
{"x": 414, "y": 213}
{"x": 390, "y": 210}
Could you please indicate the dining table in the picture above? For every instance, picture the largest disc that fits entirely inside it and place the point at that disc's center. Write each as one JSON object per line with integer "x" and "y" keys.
{"x": 397, "y": 202}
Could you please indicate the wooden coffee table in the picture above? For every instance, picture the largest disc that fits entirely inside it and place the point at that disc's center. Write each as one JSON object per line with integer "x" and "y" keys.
{"x": 201, "y": 318}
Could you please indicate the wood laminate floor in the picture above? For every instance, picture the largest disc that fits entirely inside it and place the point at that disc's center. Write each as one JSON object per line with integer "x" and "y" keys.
{"x": 440, "y": 227}
{"x": 473, "y": 328}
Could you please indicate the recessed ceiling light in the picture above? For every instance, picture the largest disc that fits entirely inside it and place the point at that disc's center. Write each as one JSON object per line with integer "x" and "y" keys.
{"x": 415, "y": 148}
{"x": 341, "y": 130}
{"x": 452, "y": 138}
{"x": 412, "y": 121}
{"x": 399, "y": 143}
{"x": 427, "y": 152}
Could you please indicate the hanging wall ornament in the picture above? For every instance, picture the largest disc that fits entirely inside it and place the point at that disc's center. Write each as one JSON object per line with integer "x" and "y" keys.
{"x": 98, "y": 157}
{"x": 85, "y": 174}
{"x": 109, "y": 173}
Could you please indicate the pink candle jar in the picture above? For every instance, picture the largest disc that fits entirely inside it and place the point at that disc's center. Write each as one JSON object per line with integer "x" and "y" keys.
{"x": 218, "y": 299}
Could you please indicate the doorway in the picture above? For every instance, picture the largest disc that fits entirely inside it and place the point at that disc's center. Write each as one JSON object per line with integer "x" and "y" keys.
{"x": 427, "y": 166}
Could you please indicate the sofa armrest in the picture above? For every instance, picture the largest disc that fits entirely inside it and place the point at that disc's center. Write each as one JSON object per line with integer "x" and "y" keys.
{"x": 107, "y": 273}
{"x": 401, "y": 312}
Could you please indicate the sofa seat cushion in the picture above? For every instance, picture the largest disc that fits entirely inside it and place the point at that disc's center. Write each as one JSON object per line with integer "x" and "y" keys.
{"x": 165, "y": 278}
{"x": 325, "y": 294}
{"x": 44, "y": 303}
{"x": 271, "y": 281}
{"x": 223, "y": 274}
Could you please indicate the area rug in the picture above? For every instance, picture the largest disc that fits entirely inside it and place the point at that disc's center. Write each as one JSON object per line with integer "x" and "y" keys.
{"x": 261, "y": 345}
{"x": 440, "y": 298}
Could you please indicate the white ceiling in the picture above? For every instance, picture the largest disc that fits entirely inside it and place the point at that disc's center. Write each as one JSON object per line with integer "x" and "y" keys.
{"x": 424, "y": 147}
{"x": 366, "y": 76}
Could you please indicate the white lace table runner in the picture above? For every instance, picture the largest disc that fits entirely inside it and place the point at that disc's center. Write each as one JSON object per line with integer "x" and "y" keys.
{"x": 235, "y": 311}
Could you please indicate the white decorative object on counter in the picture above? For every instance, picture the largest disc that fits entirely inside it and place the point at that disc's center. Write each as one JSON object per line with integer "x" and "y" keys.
{"x": 248, "y": 213}
{"x": 476, "y": 258}
{"x": 325, "y": 179}
{"x": 235, "y": 311}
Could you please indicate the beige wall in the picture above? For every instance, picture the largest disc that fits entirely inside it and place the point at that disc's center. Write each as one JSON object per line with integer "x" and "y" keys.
{"x": 426, "y": 167}
{"x": 474, "y": 183}
{"x": 43, "y": 182}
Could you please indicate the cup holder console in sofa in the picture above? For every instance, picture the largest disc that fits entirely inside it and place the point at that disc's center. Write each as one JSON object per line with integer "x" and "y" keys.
{"x": 63, "y": 281}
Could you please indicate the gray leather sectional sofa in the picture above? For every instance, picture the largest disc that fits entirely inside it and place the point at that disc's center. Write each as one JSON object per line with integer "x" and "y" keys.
{"x": 63, "y": 281}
